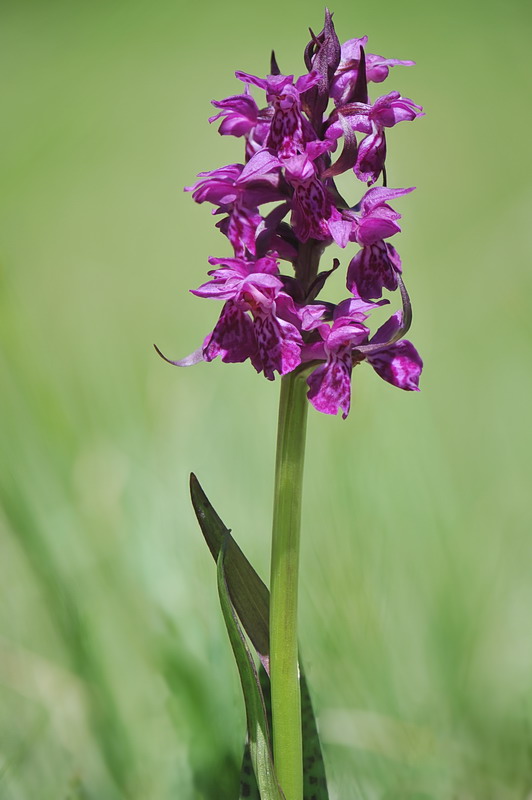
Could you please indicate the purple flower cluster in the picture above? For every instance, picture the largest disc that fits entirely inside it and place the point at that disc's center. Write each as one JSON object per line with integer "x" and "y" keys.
{"x": 292, "y": 157}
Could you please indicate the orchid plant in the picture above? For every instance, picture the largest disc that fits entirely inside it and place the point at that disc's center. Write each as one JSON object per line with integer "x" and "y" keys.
{"x": 309, "y": 131}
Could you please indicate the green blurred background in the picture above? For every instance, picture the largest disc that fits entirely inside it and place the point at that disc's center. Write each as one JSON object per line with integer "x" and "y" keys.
{"x": 116, "y": 679}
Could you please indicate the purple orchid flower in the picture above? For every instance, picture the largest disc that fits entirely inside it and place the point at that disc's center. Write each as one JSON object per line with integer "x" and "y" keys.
{"x": 397, "y": 362}
{"x": 267, "y": 338}
{"x": 289, "y": 130}
{"x": 330, "y": 383}
{"x": 372, "y": 119}
{"x": 373, "y": 219}
{"x": 239, "y": 114}
{"x": 386, "y": 112}
{"x": 237, "y": 191}
{"x": 277, "y": 320}
{"x": 345, "y": 344}
{"x": 374, "y": 268}
{"x": 242, "y": 117}
{"x": 314, "y": 214}
{"x": 371, "y": 156}
{"x": 378, "y": 68}
{"x": 346, "y": 76}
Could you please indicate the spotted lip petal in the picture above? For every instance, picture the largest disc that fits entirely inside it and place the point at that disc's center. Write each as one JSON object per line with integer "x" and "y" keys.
{"x": 330, "y": 383}
{"x": 371, "y": 157}
{"x": 374, "y": 268}
{"x": 400, "y": 364}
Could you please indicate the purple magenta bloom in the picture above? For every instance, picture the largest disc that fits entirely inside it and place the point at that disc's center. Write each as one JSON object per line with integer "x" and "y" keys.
{"x": 377, "y": 67}
{"x": 374, "y": 268}
{"x": 371, "y": 157}
{"x": 272, "y": 343}
{"x": 242, "y": 117}
{"x": 238, "y": 190}
{"x": 282, "y": 204}
{"x": 373, "y": 219}
{"x": 391, "y": 108}
{"x": 314, "y": 214}
{"x": 239, "y": 114}
{"x": 346, "y": 76}
{"x": 233, "y": 337}
{"x": 397, "y": 363}
{"x": 289, "y": 130}
{"x": 386, "y": 112}
{"x": 330, "y": 383}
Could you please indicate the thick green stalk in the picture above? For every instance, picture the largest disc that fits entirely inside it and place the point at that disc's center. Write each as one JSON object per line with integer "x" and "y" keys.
{"x": 284, "y": 671}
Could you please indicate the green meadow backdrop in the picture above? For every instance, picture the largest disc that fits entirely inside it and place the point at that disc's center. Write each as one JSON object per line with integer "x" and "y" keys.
{"x": 116, "y": 678}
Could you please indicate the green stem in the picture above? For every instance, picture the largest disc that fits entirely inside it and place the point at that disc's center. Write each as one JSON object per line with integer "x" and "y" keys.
{"x": 284, "y": 671}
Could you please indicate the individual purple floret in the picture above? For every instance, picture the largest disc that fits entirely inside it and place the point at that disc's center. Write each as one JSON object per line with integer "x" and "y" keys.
{"x": 239, "y": 115}
{"x": 289, "y": 130}
{"x": 346, "y": 343}
{"x": 265, "y": 335}
{"x": 374, "y": 268}
{"x": 282, "y": 205}
{"x": 344, "y": 85}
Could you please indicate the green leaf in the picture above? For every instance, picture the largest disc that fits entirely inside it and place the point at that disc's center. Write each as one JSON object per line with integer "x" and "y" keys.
{"x": 249, "y": 595}
{"x": 248, "y": 782}
{"x": 250, "y": 600}
{"x": 257, "y": 725}
{"x": 314, "y": 777}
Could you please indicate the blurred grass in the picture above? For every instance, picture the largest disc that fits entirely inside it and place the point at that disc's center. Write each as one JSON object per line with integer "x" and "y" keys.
{"x": 115, "y": 674}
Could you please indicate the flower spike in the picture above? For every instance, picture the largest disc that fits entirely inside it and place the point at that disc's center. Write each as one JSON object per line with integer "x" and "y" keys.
{"x": 280, "y": 209}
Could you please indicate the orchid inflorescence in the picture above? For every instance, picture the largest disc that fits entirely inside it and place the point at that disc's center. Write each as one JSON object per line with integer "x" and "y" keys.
{"x": 273, "y": 318}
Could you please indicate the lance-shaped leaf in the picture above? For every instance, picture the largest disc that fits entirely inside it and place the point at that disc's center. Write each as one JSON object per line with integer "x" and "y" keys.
{"x": 250, "y": 599}
{"x": 249, "y": 594}
{"x": 248, "y": 782}
{"x": 314, "y": 778}
{"x": 257, "y": 725}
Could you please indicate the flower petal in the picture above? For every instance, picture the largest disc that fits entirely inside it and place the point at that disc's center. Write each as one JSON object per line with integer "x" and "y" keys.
{"x": 400, "y": 364}
{"x": 373, "y": 268}
{"x": 233, "y": 337}
{"x": 371, "y": 157}
{"x": 279, "y": 345}
{"x": 330, "y": 384}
